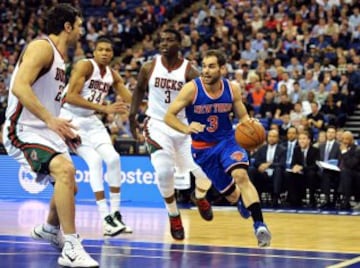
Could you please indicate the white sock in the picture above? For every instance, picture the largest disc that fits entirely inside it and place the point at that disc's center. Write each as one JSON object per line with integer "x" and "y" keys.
{"x": 51, "y": 228}
{"x": 71, "y": 237}
{"x": 199, "y": 194}
{"x": 172, "y": 208}
{"x": 103, "y": 208}
{"x": 114, "y": 202}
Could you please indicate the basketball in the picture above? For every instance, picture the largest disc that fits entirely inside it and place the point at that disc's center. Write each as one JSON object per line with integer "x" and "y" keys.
{"x": 250, "y": 134}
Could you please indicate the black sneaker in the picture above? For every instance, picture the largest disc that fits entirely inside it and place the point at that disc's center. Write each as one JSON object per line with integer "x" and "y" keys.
{"x": 204, "y": 207}
{"x": 111, "y": 228}
{"x": 176, "y": 227}
{"x": 118, "y": 219}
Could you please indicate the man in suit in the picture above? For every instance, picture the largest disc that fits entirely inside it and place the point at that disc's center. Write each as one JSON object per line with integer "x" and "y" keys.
{"x": 290, "y": 144}
{"x": 304, "y": 171}
{"x": 349, "y": 170}
{"x": 330, "y": 153}
{"x": 269, "y": 167}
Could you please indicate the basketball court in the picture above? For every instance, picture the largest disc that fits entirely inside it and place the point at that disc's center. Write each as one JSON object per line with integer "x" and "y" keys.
{"x": 300, "y": 238}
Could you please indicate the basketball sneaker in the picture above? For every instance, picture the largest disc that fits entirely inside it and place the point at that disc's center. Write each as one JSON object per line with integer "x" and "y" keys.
{"x": 176, "y": 227}
{"x": 262, "y": 234}
{"x": 74, "y": 255}
{"x": 203, "y": 206}
{"x": 55, "y": 237}
{"x": 244, "y": 212}
{"x": 118, "y": 220}
{"x": 112, "y": 228}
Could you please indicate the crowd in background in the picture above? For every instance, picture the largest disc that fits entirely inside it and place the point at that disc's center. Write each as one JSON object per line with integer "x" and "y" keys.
{"x": 296, "y": 60}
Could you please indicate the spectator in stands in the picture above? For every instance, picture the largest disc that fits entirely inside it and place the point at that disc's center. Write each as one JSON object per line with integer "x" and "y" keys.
{"x": 294, "y": 66}
{"x": 284, "y": 124}
{"x": 329, "y": 153}
{"x": 353, "y": 86}
{"x": 349, "y": 170}
{"x": 304, "y": 171}
{"x": 284, "y": 107}
{"x": 321, "y": 139}
{"x": 268, "y": 106}
{"x": 321, "y": 94}
{"x": 296, "y": 114}
{"x": 270, "y": 165}
{"x": 289, "y": 82}
{"x": 308, "y": 82}
{"x": 248, "y": 54}
{"x": 257, "y": 94}
{"x": 316, "y": 118}
{"x": 274, "y": 45}
{"x": 269, "y": 84}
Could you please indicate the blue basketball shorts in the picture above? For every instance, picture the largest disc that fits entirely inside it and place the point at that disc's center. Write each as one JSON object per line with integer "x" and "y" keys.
{"x": 219, "y": 159}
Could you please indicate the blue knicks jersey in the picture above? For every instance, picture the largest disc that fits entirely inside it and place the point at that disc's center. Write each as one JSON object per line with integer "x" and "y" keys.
{"x": 214, "y": 112}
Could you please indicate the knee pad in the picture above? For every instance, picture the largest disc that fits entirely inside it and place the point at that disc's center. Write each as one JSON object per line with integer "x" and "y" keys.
{"x": 164, "y": 167}
{"x": 94, "y": 163}
{"x": 113, "y": 165}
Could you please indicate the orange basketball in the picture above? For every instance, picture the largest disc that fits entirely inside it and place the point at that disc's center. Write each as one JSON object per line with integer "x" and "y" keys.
{"x": 250, "y": 134}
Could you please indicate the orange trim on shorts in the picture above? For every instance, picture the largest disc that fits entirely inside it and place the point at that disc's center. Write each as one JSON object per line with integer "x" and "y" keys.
{"x": 202, "y": 144}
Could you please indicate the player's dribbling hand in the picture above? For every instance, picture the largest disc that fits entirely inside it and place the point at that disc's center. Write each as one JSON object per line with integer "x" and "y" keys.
{"x": 195, "y": 127}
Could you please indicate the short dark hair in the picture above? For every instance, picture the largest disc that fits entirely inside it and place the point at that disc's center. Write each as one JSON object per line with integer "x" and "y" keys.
{"x": 104, "y": 39}
{"x": 58, "y": 15}
{"x": 174, "y": 32}
{"x": 331, "y": 126}
{"x": 221, "y": 59}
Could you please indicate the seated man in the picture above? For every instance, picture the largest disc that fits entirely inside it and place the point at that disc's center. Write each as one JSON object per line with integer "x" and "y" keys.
{"x": 330, "y": 153}
{"x": 303, "y": 171}
{"x": 269, "y": 167}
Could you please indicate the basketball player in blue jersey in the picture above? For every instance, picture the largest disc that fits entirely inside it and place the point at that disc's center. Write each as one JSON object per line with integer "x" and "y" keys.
{"x": 90, "y": 82}
{"x": 35, "y": 136}
{"x": 163, "y": 77}
{"x": 208, "y": 102}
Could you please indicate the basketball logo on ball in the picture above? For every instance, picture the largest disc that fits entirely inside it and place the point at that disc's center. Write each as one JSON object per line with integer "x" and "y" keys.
{"x": 250, "y": 134}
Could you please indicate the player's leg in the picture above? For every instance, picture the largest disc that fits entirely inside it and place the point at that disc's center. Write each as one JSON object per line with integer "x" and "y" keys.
{"x": 50, "y": 230}
{"x": 94, "y": 162}
{"x": 112, "y": 161}
{"x": 235, "y": 162}
{"x": 160, "y": 147}
{"x": 73, "y": 253}
{"x": 49, "y": 156}
{"x": 184, "y": 163}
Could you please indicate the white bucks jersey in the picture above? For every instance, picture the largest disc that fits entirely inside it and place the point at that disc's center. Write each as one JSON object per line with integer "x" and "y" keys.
{"x": 164, "y": 86}
{"x": 95, "y": 89}
{"x": 47, "y": 88}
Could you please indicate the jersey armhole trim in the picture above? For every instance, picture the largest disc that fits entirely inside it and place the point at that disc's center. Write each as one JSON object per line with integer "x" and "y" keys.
{"x": 196, "y": 92}
{"x": 153, "y": 64}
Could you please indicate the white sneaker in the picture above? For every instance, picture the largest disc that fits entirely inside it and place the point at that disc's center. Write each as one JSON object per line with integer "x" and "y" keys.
{"x": 118, "y": 219}
{"x": 262, "y": 234}
{"x": 74, "y": 255}
{"x": 112, "y": 228}
{"x": 55, "y": 238}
